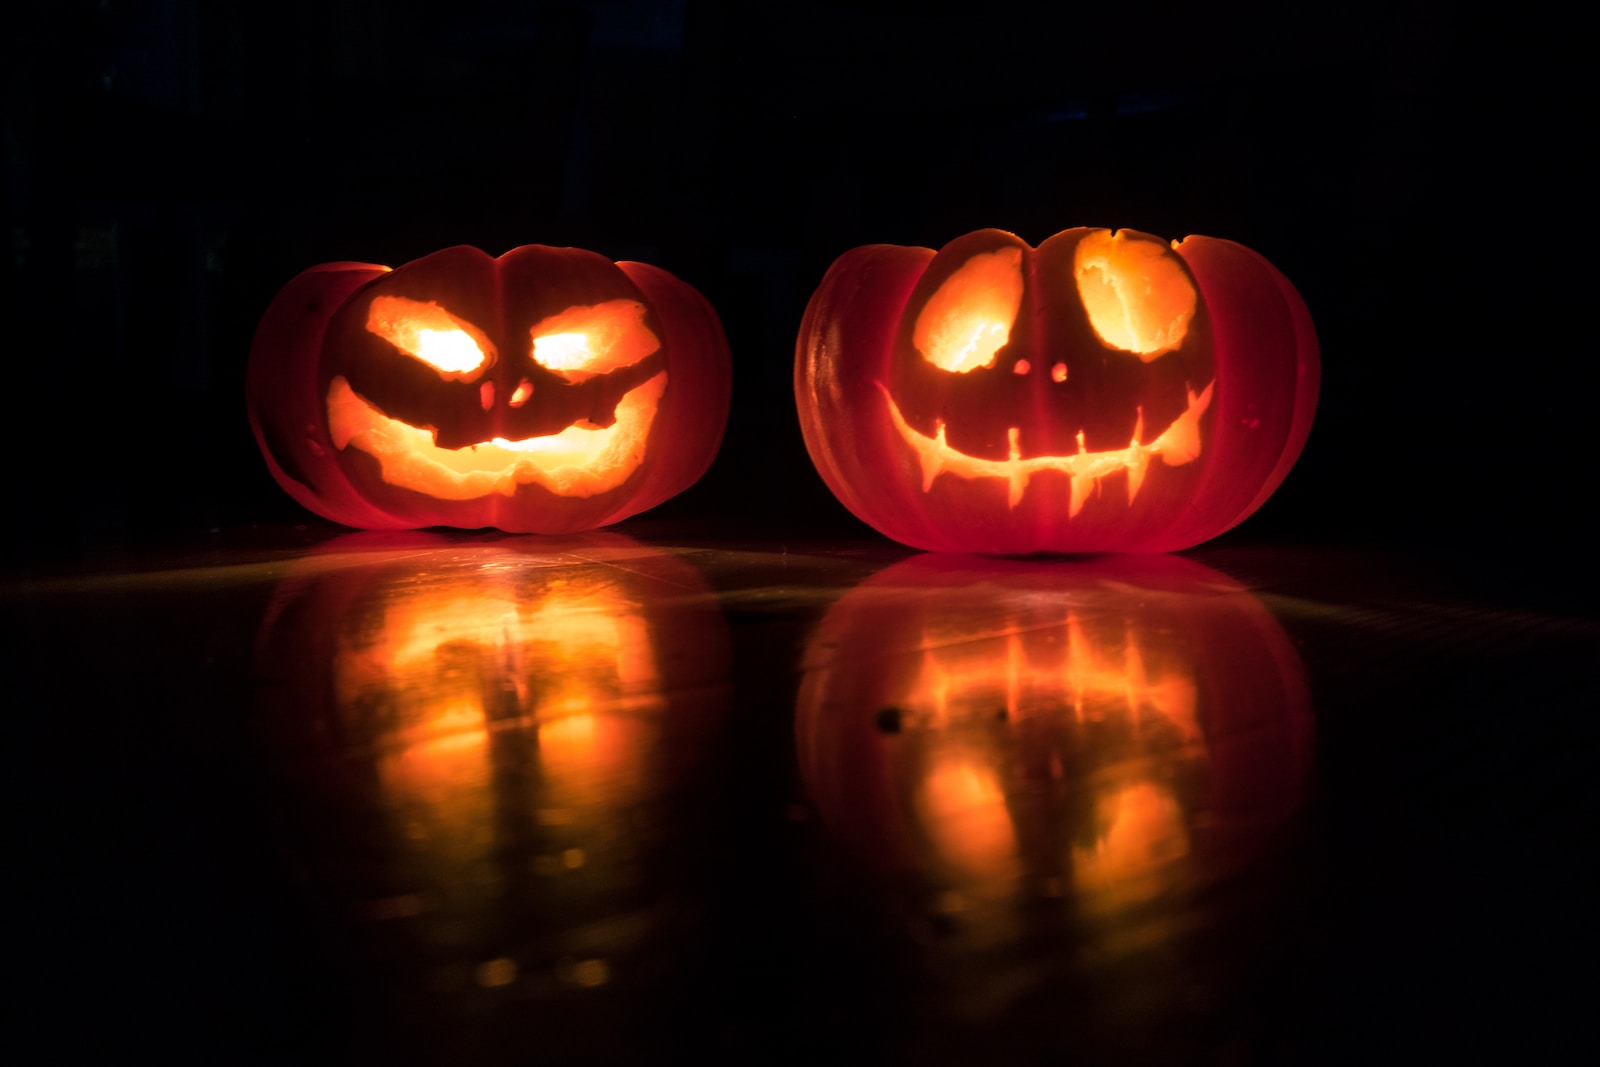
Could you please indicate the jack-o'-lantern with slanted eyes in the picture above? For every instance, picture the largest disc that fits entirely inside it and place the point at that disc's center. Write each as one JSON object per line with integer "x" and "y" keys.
{"x": 545, "y": 391}
{"x": 1104, "y": 392}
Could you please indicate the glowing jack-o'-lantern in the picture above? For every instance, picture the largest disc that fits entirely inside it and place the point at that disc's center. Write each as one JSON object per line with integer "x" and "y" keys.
{"x": 1104, "y": 735}
{"x": 546, "y": 391}
{"x": 1102, "y": 392}
{"x": 490, "y": 743}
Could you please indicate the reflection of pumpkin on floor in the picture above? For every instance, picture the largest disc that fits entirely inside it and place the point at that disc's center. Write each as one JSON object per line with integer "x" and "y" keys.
{"x": 1102, "y": 392}
{"x": 494, "y": 741}
{"x": 1076, "y": 784}
{"x": 1104, "y": 732}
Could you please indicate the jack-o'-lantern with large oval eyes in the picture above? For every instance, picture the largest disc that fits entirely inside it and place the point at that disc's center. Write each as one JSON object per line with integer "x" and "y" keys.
{"x": 1104, "y": 392}
{"x": 545, "y": 391}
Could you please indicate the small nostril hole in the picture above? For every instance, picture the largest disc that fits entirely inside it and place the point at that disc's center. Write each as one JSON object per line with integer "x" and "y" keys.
{"x": 486, "y": 395}
{"x": 1021, "y": 366}
{"x": 1058, "y": 373}
{"x": 520, "y": 395}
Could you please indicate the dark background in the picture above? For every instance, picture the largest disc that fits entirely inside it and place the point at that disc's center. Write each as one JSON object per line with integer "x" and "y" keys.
{"x": 1413, "y": 169}
{"x": 171, "y": 164}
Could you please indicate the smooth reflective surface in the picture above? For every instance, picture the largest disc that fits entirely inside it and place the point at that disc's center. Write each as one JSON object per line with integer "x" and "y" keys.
{"x": 1047, "y": 766}
{"x": 491, "y": 756}
{"x": 477, "y": 799}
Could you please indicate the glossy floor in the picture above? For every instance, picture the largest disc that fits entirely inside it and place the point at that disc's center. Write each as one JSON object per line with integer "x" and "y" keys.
{"x": 478, "y": 799}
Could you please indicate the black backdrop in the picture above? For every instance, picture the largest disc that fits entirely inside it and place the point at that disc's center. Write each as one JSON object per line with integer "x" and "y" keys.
{"x": 1415, "y": 171}
{"x": 171, "y": 163}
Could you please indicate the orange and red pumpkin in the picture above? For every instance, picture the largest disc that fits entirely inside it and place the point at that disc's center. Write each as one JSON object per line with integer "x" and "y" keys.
{"x": 545, "y": 391}
{"x": 1102, "y": 392}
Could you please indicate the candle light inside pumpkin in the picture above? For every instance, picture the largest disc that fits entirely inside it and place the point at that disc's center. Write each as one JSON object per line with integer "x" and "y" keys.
{"x": 1101, "y": 392}
{"x": 524, "y": 392}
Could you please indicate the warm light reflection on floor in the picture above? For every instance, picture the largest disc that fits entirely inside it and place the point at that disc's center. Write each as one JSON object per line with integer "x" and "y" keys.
{"x": 964, "y": 810}
{"x": 1059, "y": 731}
{"x": 1141, "y": 834}
{"x": 569, "y": 669}
{"x": 508, "y": 738}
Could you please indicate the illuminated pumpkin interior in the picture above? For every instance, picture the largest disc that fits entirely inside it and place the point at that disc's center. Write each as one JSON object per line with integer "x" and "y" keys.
{"x": 451, "y": 665}
{"x": 1137, "y": 294}
{"x": 1138, "y": 299}
{"x": 427, "y": 332}
{"x": 969, "y": 318}
{"x": 1178, "y": 444}
{"x": 581, "y": 460}
{"x": 1051, "y": 675}
{"x": 584, "y": 341}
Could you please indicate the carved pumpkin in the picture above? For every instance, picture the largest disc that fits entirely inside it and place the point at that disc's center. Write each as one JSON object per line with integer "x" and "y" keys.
{"x": 1102, "y": 392}
{"x": 991, "y": 731}
{"x": 546, "y": 391}
{"x": 494, "y": 745}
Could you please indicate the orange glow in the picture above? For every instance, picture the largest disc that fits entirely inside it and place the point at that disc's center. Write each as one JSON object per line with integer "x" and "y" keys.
{"x": 427, "y": 332}
{"x": 579, "y": 461}
{"x": 581, "y": 342}
{"x": 1137, "y": 293}
{"x": 964, "y": 808}
{"x": 452, "y": 665}
{"x": 1025, "y": 666}
{"x": 1178, "y": 444}
{"x": 437, "y": 644}
{"x": 1142, "y": 835}
{"x": 968, "y": 320}
{"x": 984, "y": 702}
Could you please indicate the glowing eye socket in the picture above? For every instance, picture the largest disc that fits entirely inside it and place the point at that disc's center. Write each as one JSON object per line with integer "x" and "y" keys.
{"x": 562, "y": 351}
{"x": 968, "y": 319}
{"x": 427, "y": 332}
{"x": 1138, "y": 296}
{"x": 584, "y": 341}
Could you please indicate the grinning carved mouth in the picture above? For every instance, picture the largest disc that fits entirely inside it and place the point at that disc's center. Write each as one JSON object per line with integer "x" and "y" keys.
{"x": 1177, "y": 445}
{"x": 580, "y": 461}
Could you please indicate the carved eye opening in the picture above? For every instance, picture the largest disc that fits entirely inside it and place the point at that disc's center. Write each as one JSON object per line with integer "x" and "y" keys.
{"x": 587, "y": 340}
{"x": 968, "y": 320}
{"x": 428, "y": 333}
{"x": 1138, "y": 296}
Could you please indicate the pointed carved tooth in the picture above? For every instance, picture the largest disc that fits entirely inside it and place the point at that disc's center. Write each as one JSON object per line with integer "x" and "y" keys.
{"x": 1138, "y": 466}
{"x": 1082, "y": 484}
{"x": 1180, "y": 443}
{"x": 1017, "y": 483}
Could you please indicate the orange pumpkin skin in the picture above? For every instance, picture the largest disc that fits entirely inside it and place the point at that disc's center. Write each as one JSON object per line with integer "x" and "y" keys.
{"x": 359, "y": 425}
{"x": 1068, "y": 439}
